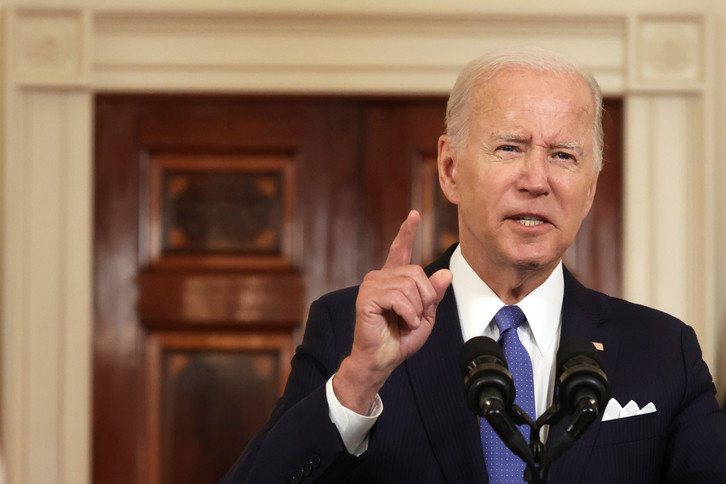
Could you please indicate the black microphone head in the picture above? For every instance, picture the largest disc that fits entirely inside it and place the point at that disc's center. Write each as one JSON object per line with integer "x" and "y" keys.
{"x": 576, "y": 347}
{"x": 479, "y": 346}
{"x": 485, "y": 373}
{"x": 580, "y": 374}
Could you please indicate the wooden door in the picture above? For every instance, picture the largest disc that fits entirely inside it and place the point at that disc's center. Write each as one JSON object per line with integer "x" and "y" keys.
{"x": 218, "y": 219}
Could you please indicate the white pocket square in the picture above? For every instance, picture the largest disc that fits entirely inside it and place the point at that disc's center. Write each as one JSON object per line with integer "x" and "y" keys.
{"x": 613, "y": 410}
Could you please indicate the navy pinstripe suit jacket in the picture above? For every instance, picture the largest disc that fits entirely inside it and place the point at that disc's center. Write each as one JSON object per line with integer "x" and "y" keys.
{"x": 427, "y": 434}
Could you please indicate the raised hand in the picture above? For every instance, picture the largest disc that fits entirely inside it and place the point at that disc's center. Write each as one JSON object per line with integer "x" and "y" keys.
{"x": 395, "y": 313}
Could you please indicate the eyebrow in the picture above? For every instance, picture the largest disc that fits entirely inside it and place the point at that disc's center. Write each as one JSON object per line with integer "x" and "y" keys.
{"x": 512, "y": 138}
{"x": 515, "y": 138}
{"x": 572, "y": 145}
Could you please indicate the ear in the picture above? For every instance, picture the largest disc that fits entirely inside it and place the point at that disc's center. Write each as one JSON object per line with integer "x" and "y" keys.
{"x": 448, "y": 169}
{"x": 591, "y": 193}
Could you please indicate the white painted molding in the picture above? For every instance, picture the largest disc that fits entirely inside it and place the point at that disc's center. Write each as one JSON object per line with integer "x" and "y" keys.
{"x": 657, "y": 189}
{"x": 324, "y": 53}
{"x": 57, "y": 58}
{"x": 50, "y": 47}
{"x": 670, "y": 51}
{"x": 46, "y": 310}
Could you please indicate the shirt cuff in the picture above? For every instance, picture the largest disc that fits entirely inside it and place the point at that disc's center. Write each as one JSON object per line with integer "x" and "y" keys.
{"x": 353, "y": 427}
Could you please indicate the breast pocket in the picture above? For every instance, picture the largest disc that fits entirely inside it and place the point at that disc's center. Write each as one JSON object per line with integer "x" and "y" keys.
{"x": 631, "y": 429}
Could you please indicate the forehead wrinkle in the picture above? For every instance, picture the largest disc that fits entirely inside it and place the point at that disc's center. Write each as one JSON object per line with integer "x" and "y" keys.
{"x": 528, "y": 139}
{"x": 519, "y": 138}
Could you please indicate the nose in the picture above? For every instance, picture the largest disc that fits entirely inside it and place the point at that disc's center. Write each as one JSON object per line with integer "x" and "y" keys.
{"x": 535, "y": 173}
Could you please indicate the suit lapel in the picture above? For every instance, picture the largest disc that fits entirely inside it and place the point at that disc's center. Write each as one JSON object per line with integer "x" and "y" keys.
{"x": 584, "y": 316}
{"x": 452, "y": 429}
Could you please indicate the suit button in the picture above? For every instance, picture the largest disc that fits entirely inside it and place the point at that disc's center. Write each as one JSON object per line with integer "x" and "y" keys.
{"x": 297, "y": 477}
{"x": 315, "y": 461}
{"x": 307, "y": 469}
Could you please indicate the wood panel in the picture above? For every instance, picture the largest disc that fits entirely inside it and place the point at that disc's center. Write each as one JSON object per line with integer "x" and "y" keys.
{"x": 118, "y": 353}
{"x": 218, "y": 300}
{"x": 208, "y": 394}
{"x": 400, "y": 137}
{"x": 253, "y": 284}
{"x": 596, "y": 257}
{"x": 219, "y": 210}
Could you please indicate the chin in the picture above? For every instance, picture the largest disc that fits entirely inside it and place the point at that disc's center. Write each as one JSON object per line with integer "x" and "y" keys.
{"x": 529, "y": 265}
{"x": 534, "y": 262}
{"x": 534, "y": 256}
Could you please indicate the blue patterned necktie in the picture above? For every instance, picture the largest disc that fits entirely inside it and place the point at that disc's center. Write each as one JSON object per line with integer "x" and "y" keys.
{"x": 502, "y": 465}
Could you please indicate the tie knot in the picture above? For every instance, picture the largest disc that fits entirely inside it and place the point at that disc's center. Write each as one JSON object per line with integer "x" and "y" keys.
{"x": 509, "y": 317}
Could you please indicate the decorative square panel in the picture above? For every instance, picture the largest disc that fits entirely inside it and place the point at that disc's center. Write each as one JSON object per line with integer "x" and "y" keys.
{"x": 670, "y": 50}
{"x": 220, "y": 210}
{"x": 50, "y": 45}
{"x": 210, "y": 395}
{"x": 213, "y": 403}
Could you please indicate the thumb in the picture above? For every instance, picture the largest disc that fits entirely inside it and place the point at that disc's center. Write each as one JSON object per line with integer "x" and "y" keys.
{"x": 440, "y": 280}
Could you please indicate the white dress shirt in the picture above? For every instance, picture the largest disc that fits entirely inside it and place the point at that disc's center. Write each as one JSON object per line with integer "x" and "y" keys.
{"x": 477, "y": 305}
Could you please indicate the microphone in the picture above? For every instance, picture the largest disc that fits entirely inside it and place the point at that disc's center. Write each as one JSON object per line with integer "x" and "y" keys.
{"x": 583, "y": 391}
{"x": 487, "y": 379}
{"x": 489, "y": 391}
{"x": 582, "y": 380}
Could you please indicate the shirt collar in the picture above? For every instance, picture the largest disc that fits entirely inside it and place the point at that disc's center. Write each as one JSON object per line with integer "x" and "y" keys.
{"x": 477, "y": 304}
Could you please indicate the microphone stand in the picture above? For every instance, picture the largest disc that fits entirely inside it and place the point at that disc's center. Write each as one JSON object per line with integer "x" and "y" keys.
{"x": 536, "y": 448}
{"x": 536, "y": 455}
{"x": 584, "y": 414}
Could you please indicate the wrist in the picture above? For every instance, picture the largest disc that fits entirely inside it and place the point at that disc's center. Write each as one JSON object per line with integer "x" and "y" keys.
{"x": 356, "y": 386}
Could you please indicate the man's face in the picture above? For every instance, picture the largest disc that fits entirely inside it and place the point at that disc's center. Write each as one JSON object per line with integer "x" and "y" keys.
{"x": 525, "y": 179}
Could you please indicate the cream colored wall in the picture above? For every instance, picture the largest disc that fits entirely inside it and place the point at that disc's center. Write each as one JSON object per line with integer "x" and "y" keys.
{"x": 47, "y": 427}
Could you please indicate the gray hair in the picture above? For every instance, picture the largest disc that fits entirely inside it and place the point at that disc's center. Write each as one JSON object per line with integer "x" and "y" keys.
{"x": 527, "y": 58}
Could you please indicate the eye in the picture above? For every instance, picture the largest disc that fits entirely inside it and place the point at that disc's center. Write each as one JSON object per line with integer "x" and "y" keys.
{"x": 560, "y": 155}
{"x": 508, "y": 150}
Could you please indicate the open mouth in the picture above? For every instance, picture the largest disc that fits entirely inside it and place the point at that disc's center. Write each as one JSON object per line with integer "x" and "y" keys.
{"x": 529, "y": 220}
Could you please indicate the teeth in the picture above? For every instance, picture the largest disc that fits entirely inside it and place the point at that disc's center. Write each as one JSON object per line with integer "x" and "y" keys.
{"x": 530, "y": 221}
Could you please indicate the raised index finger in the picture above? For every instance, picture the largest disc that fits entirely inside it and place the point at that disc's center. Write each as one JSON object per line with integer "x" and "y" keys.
{"x": 402, "y": 246}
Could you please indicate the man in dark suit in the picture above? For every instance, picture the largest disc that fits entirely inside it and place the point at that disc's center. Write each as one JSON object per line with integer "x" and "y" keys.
{"x": 520, "y": 158}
